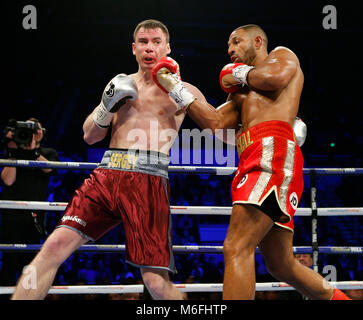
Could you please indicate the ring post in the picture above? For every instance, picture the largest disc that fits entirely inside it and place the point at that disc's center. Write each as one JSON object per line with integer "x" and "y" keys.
{"x": 314, "y": 220}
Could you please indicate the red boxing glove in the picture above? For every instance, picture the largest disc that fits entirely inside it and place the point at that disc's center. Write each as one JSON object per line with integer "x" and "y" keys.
{"x": 168, "y": 63}
{"x": 166, "y": 75}
{"x": 226, "y": 79}
{"x": 233, "y": 75}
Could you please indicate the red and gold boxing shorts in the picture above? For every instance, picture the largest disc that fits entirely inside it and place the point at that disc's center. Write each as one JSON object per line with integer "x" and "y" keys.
{"x": 131, "y": 186}
{"x": 270, "y": 171}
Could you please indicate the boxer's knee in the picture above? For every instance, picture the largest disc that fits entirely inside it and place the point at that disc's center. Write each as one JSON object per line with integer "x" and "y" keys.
{"x": 52, "y": 249}
{"x": 60, "y": 245}
{"x": 237, "y": 248}
{"x": 248, "y": 225}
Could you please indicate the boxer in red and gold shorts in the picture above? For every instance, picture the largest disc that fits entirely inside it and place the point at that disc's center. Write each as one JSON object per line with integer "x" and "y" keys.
{"x": 270, "y": 171}
{"x": 264, "y": 97}
{"x": 126, "y": 187}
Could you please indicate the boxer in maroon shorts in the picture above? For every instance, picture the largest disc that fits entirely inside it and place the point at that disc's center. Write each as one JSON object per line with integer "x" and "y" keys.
{"x": 141, "y": 202}
{"x": 129, "y": 186}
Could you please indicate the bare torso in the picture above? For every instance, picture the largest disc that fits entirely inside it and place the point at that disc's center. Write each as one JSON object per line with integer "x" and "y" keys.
{"x": 138, "y": 124}
{"x": 258, "y": 106}
{"x": 150, "y": 122}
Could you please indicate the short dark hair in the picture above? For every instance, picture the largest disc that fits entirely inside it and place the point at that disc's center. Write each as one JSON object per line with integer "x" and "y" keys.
{"x": 255, "y": 29}
{"x": 152, "y": 24}
{"x": 34, "y": 120}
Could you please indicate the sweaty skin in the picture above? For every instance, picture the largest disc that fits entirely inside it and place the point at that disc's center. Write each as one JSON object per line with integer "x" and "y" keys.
{"x": 273, "y": 93}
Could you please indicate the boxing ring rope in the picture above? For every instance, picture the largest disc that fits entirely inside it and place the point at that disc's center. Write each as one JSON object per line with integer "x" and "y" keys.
{"x": 314, "y": 212}
{"x": 181, "y": 248}
{"x": 193, "y": 287}
{"x": 193, "y": 210}
{"x": 172, "y": 169}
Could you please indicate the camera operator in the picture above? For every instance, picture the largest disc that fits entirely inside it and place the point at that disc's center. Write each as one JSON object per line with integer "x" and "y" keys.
{"x": 23, "y": 141}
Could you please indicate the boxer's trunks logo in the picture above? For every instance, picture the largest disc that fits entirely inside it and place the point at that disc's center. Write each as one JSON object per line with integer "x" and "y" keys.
{"x": 122, "y": 161}
{"x": 243, "y": 181}
{"x": 294, "y": 200}
{"x": 243, "y": 141}
{"x": 74, "y": 218}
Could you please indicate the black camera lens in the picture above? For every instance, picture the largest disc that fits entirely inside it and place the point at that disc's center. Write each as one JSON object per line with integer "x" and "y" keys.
{"x": 23, "y": 136}
{"x": 23, "y": 132}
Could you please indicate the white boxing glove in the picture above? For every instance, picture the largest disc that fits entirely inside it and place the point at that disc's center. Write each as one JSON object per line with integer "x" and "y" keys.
{"x": 300, "y": 131}
{"x": 117, "y": 92}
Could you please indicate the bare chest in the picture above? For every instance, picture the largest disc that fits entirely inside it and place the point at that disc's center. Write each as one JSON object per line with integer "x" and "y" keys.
{"x": 155, "y": 102}
{"x": 144, "y": 121}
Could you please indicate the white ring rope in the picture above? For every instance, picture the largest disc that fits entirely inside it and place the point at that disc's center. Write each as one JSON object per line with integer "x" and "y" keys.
{"x": 172, "y": 169}
{"x": 193, "y": 287}
{"x": 118, "y": 248}
{"x": 199, "y": 210}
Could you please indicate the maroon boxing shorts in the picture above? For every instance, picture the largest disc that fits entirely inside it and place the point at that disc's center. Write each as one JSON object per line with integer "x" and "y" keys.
{"x": 270, "y": 171}
{"x": 131, "y": 186}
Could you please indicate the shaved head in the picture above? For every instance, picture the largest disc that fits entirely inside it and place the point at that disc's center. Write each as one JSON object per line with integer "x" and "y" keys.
{"x": 253, "y": 31}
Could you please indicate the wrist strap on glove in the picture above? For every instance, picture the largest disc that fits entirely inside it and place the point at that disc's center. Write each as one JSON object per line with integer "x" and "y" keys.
{"x": 181, "y": 95}
{"x": 240, "y": 73}
{"x": 101, "y": 117}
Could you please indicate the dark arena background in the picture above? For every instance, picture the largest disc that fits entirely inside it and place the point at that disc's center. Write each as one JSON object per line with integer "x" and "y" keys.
{"x": 57, "y": 73}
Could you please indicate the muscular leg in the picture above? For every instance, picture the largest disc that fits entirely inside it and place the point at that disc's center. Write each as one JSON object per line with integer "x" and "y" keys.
{"x": 277, "y": 252}
{"x": 160, "y": 287}
{"x": 248, "y": 225}
{"x": 57, "y": 248}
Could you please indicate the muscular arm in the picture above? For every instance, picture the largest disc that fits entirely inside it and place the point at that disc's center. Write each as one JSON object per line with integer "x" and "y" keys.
{"x": 206, "y": 116}
{"x": 191, "y": 99}
{"x": 202, "y": 113}
{"x": 275, "y": 72}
